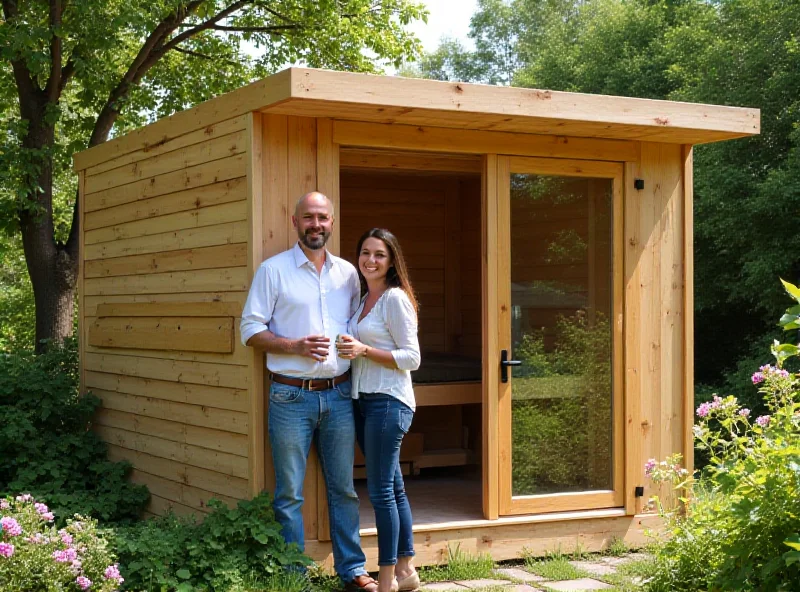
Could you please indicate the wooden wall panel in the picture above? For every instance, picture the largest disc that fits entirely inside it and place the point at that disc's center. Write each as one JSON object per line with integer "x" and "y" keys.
{"x": 655, "y": 309}
{"x": 165, "y": 265}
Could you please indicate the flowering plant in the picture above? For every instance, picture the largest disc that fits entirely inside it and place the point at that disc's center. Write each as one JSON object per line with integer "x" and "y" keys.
{"x": 35, "y": 555}
{"x": 741, "y": 528}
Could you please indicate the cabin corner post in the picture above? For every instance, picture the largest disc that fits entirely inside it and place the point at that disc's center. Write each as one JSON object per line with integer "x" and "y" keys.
{"x": 255, "y": 192}
{"x": 688, "y": 306}
{"x": 490, "y": 335}
{"x": 81, "y": 288}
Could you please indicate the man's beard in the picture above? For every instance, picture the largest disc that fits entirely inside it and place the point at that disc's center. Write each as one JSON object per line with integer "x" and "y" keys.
{"x": 314, "y": 242}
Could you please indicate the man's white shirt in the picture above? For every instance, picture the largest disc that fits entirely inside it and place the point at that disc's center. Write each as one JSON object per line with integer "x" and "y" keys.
{"x": 289, "y": 298}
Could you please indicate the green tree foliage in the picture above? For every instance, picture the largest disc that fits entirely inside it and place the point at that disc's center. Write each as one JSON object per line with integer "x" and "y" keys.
{"x": 729, "y": 52}
{"x": 72, "y": 73}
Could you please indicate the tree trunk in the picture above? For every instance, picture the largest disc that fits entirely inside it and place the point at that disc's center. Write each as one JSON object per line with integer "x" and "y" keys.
{"x": 53, "y": 268}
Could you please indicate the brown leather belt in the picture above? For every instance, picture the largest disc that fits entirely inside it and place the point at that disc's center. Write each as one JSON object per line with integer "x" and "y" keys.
{"x": 310, "y": 384}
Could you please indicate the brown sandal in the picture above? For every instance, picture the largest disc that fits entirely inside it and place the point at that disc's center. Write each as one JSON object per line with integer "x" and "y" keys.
{"x": 362, "y": 583}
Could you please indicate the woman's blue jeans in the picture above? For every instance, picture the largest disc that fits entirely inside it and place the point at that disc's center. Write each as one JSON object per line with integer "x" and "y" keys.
{"x": 381, "y": 423}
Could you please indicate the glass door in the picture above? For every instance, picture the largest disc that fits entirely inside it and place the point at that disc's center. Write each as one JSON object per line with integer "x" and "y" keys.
{"x": 560, "y": 335}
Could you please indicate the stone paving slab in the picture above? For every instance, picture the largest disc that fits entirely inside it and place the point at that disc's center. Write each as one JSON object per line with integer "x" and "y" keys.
{"x": 471, "y": 584}
{"x": 516, "y": 573}
{"x": 575, "y": 585}
{"x": 594, "y": 568}
{"x": 442, "y": 587}
{"x": 524, "y": 588}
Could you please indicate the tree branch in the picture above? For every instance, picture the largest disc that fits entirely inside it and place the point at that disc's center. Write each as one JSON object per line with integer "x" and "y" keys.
{"x": 53, "y": 88}
{"x": 255, "y": 29}
{"x": 204, "y": 26}
{"x": 203, "y": 56}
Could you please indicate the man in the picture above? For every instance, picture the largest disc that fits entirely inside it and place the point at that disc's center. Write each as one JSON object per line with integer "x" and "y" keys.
{"x": 300, "y": 300}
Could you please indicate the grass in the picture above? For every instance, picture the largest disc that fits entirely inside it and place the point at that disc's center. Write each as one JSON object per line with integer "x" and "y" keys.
{"x": 316, "y": 580}
{"x": 459, "y": 566}
{"x": 555, "y": 565}
{"x": 616, "y": 548}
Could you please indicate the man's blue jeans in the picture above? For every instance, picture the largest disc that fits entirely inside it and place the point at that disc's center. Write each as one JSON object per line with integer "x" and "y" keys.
{"x": 296, "y": 418}
{"x": 381, "y": 423}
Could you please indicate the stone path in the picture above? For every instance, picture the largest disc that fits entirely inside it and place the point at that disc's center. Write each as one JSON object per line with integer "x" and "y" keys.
{"x": 517, "y": 579}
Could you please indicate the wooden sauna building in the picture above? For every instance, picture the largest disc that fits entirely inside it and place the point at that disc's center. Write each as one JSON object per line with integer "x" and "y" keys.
{"x": 549, "y": 239}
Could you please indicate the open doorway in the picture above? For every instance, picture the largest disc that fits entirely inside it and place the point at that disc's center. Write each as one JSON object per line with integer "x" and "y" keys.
{"x": 432, "y": 203}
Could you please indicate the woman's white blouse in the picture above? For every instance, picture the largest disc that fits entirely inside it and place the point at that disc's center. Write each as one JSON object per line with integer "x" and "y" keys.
{"x": 391, "y": 325}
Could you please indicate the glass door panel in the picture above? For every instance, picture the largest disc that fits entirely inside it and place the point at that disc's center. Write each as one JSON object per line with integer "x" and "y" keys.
{"x": 561, "y": 423}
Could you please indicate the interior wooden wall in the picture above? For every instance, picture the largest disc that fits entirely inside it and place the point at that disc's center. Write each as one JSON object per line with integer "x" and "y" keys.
{"x": 436, "y": 218}
{"x": 164, "y": 272}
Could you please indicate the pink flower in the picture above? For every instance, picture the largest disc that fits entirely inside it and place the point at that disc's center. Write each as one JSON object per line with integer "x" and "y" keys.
{"x": 83, "y": 582}
{"x": 41, "y": 508}
{"x": 66, "y": 538}
{"x": 10, "y": 525}
{"x": 76, "y": 567}
{"x": 4, "y": 505}
{"x": 25, "y": 497}
{"x": 48, "y": 516}
{"x": 649, "y": 466}
{"x": 758, "y": 378}
{"x": 717, "y": 402}
{"x": 112, "y": 573}
{"x": 6, "y": 549}
{"x": 744, "y": 412}
{"x": 704, "y": 409}
{"x": 65, "y": 556}
{"x": 763, "y": 420}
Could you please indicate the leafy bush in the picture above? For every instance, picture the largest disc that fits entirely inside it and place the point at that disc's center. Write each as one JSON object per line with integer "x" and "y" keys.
{"x": 740, "y": 531}
{"x": 35, "y": 556}
{"x": 228, "y": 549}
{"x": 46, "y": 447}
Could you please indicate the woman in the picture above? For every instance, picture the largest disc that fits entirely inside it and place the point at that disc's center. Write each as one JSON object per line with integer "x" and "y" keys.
{"x": 384, "y": 349}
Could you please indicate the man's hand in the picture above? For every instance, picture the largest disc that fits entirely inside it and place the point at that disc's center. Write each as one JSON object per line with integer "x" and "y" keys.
{"x": 313, "y": 346}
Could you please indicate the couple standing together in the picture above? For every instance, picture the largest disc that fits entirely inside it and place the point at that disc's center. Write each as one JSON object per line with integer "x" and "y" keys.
{"x": 340, "y": 345}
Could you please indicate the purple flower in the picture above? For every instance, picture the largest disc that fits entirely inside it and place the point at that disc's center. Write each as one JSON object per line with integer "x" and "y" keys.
{"x": 758, "y": 378}
{"x": 83, "y": 582}
{"x": 763, "y": 420}
{"x": 649, "y": 466}
{"x": 704, "y": 409}
{"x": 744, "y": 412}
{"x": 6, "y": 549}
{"x": 112, "y": 573}
{"x": 10, "y": 525}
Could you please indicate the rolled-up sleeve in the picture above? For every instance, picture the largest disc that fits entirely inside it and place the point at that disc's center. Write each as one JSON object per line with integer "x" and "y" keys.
{"x": 401, "y": 320}
{"x": 259, "y": 305}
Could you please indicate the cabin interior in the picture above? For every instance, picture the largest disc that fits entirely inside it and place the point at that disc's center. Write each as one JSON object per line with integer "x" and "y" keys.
{"x": 561, "y": 254}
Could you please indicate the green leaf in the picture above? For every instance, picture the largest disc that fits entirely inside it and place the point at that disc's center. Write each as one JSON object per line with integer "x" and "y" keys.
{"x": 183, "y": 574}
{"x": 791, "y": 289}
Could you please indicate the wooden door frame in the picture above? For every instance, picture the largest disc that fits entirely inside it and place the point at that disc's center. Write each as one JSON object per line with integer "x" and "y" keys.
{"x": 498, "y": 499}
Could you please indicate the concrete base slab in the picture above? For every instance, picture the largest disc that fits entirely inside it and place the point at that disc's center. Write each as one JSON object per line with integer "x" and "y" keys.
{"x": 575, "y": 585}
{"x": 472, "y": 584}
{"x": 516, "y": 573}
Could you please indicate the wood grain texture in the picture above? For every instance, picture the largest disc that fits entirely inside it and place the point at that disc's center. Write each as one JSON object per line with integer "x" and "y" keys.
{"x": 203, "y": 334}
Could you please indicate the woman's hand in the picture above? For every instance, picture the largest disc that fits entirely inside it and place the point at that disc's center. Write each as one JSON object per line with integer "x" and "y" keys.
{"x": 348, "y": 347}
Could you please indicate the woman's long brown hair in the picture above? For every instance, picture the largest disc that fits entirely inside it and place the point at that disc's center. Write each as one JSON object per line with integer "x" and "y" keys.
{"x": 397, "y": 275}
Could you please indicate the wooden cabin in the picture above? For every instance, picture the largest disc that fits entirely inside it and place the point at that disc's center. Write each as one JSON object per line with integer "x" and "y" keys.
{"x": 549, "y": 238}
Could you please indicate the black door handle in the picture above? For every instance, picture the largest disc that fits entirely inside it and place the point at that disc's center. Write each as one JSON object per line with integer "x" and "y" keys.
{"x": 505, "y": 363}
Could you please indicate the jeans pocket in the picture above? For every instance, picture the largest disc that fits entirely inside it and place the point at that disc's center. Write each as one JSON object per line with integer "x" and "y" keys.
{"x": 345, "y": 389}
{"x": 406, "y": 417}
{"x": 284, "y": 393}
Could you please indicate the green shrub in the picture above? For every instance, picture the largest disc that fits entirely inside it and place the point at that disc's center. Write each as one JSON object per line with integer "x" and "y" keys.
{"x": 740, "y": 531}
{"x": 35, "y": 556}
{"x": 46, "y": 447}
{"x": 228, "y": 549}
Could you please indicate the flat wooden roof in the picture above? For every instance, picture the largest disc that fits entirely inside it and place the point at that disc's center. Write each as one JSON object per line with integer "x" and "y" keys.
{"x": 386, "y": 99}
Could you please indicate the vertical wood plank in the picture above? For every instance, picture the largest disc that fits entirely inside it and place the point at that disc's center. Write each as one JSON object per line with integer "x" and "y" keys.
{"x": 81, "y": 288}
{"x": 688, "y": 306}
{"x": 327, "y": 182}
{"x": 592, "y": 248}
{"x": 255, "y": 191}
{"x": 452, "y": 267}
{"x": 302, "y": 165}
{"x": 328, "y": 176}
{"x": 275, "y": 199}
{"x": 489, "y": 316}
{"x": 618, "y": 336}
{"x": 632, "y": 314}
{"x": 504, "y": 410}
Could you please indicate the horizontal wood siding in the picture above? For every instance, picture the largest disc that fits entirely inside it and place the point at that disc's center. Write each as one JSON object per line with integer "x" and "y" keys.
{"x": 165, "y": 276}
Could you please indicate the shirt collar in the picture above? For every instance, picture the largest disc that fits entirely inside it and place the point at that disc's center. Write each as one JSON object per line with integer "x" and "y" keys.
{"x": 301, "y": 259}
